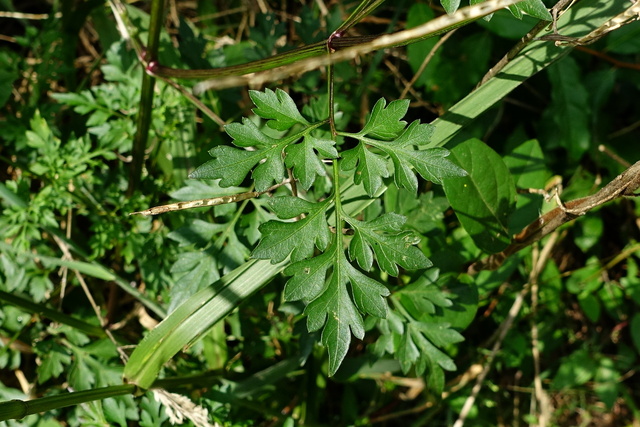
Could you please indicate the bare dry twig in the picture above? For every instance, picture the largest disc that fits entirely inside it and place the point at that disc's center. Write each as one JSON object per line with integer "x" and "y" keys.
{"x": 624, "y": 185}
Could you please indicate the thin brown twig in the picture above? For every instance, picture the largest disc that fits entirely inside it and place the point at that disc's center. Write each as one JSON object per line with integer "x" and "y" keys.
{"x": 624, "y": 130}
{"x": 604, "y": 56}
{"x": 219, "y": 14}
{"x": 606, "y": 150}
{"x": 396, "y": 72}
{"x": 540, "y": 395}
{"x": 557, "y": 10}
{"x": 426, "y": 62}
{"x": 67, "y": 255}
{"x": 194, "y": 100}
{"x": 624, "y": 185}
{"x": 505, "y": 326}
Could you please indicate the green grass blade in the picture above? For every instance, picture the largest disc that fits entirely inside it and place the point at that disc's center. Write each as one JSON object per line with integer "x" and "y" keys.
{"x": 362, "y": 10}
{"x": 17, "y": 409}
{"x": 581, "y": 19}
{"x": 42, "y": 310}
{"x": 193, "y": 318}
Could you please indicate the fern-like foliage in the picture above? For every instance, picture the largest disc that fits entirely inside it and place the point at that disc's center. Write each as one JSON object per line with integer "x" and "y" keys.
{"x": 331, "y": 252}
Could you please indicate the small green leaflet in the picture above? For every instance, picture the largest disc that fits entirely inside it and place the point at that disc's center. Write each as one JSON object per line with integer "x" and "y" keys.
{"x": 304, "y": 161}
{"x": 265, "y": 155}
{"x": 370, "y": 167}
{"x": 277, "y": 106}
{"x": 400, "y": 145}
{"x": 386, "y": 123}
{"x": 232, "y": 165}
{"x": 298, "y": 238}
{"x": 392, "y": 247}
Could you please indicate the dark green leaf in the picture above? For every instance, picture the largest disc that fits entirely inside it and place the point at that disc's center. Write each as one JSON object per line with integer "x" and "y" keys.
{"x": 569, "y": 108}
{"x": 607, "y": 378}
{"x": 305, "y": 162}
{"x": 53, "y": 359}
{"x": 277, "y": 106}
{"x": 635, "y": 331}
{"x": 82, "y": 376}
{"x": 391, "y": 246}
{"x": 625, "y": 40}
{"x": 576, "y": 369}
{"x": 370, "y": 167}
{"x": 529, "y": 172}
{"x": 386, "y": 123}
{"x": 485, "y": 198}
{"x": 419, "y": 298}
{"x": 298, "y": 238}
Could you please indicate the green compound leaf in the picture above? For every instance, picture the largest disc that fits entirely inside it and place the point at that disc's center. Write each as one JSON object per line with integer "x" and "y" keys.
{"x": 304, "y": 161}
{"x": 370, "y": 167}
{"x": 386, "y": 123}
{"x": 297, "y": 238}
{"x": 392, "y": 247}
{"x": 277, "y": 106}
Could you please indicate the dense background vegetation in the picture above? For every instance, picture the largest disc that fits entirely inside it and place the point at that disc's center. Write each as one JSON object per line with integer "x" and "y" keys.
{"x": 82, "y": 281}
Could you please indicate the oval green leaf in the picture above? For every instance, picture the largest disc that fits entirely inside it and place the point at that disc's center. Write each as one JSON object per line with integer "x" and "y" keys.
{"x": 484, "y": 199}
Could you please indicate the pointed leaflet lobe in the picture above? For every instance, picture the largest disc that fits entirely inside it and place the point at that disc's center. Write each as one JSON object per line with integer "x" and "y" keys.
{"x": 279, "y": 239}
{"x": 391, "y": 246}
{"x": 370, "y": 167}
{"x": 303, "y": 159}
{"x": 232, "y": 165}
{"x": 429, "y": 163}
{"x": 386, "y": 123}
{"x": 277, "y": 106}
